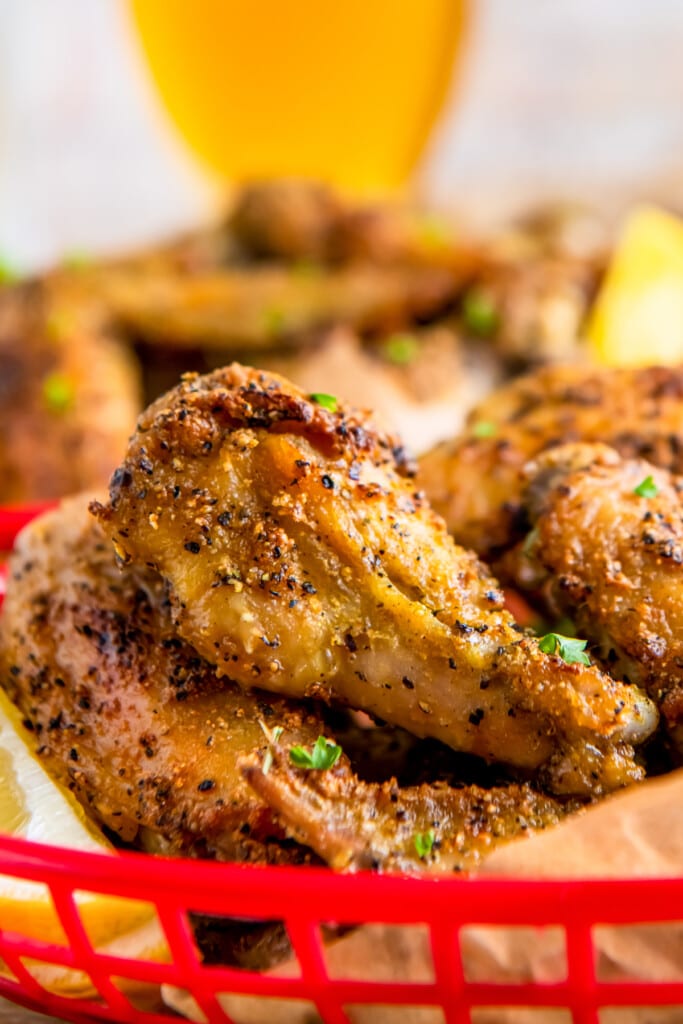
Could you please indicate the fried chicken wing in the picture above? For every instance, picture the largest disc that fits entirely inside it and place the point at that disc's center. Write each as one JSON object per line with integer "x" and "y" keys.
{"x": 537, "y": 305}
{"x": 474, "y": 481}
{"x": 253, "y": 308}
{"x": 356, "y": 825}
{"x": 69, "y": 392}
{"x": 606, "y": 548}
{"x": 294, "y": 220}
{"x": 124, "y": 712}
{"x": 300, "y": 558}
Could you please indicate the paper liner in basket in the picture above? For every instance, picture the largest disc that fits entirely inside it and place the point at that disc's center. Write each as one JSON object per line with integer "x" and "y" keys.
{"x": 635, "y": 834}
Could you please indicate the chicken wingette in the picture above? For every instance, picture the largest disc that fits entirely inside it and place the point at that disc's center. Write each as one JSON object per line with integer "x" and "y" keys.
{"x": 300, "y": 558}
{"x": 125, "y": 713}
{"x": 355, "y": 825}
{"x": 474, "y": 481}
{"x": 606, "y": 548}
{"x": 69, "y": 391}
{"x": 256, "y": 308}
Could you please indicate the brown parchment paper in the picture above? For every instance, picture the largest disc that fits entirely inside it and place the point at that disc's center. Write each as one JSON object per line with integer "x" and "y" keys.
{"x": 635, "y": 834}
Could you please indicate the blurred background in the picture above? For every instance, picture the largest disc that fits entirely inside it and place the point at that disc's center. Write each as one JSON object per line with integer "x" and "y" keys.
{"x": 566, "y": 99}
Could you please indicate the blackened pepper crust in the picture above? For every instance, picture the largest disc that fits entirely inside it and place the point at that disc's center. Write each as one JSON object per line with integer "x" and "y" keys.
{"x": 475, "y": 482}
{"x": 608, "y": 552}
{"x": 359, "y": 553}
{"x": 355, "y": 825}
{"x": 123, "y": 711}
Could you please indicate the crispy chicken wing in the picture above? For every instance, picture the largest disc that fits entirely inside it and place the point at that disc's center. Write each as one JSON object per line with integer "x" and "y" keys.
{"x": 124, "y": 712}
{"x": 535, "y": 305}
{"x": 300, "y": 558}
{"x": 607, "y": 549}
{"x": 69, "y": 392}
{"x": 294, "y": 220}
{"x": 474, "y": 481}
{"x": 257, "y": 307}
{"x": 356, "y": 825}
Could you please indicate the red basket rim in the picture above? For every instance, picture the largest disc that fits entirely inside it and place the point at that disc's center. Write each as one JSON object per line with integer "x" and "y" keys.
{"x": 117, "y": 863}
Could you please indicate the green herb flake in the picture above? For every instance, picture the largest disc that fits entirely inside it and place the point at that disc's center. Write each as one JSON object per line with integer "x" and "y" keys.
{"x": 433, "y": 231}
{"x": 400, "y": 349}
{"x": 328, "y": 402}
{"x": 58, "y": 392}
{"x": 647, "y": 488}
{"x": 570, "y": 649}
{"x": 273, "y": 738}
{"x": 424, "y": 841}
{"x": 274, "y": 321}
{"x": 530, "y": 542}
{"x": 324, "y": 755}
{"x": 306, "y": 268}
{"x": 479, "y": 313}
{"x": 79, "y": 259}
{"x": 483, "y": 429}
{"x": 8, "y": 274}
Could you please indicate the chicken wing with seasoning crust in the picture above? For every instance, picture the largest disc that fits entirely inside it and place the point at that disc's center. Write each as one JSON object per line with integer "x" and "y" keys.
{"x": 123, "y": 712}
{"x": 474, "y": 481}
{"x": 301, "y": 559}
{"x": 606, "y": 548}
{"x": 257, "y": 307}
{"x": 356, "y": 825}
{"x": 69, "y": 392}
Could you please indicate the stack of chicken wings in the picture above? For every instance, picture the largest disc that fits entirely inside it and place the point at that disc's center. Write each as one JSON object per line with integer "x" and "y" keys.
{"x": 184, "y": 650}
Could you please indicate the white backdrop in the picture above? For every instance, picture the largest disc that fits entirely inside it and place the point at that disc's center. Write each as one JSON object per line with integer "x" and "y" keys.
{"x": 572, "y": 96}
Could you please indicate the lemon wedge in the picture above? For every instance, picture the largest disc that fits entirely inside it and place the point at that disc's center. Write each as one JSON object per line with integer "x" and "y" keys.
{"x": 33, "y": 806}
{"x": 637, "y": 319}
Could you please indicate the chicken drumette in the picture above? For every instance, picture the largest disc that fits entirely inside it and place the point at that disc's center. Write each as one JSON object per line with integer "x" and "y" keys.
{"x": 355, "y": 825}
{"x": 606, "y": 548}
{"x": 474, "y": 481}
{"x": 124, "y": 712}
{"x": 301, "y": 559}
{"x": 69, "y": 391}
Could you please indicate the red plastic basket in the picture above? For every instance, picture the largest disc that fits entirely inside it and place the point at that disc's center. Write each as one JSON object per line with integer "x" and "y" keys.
{"x": 304, "y": 899}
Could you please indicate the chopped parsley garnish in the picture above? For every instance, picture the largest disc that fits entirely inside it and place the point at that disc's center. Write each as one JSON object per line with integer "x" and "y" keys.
{"x": 8, "y": 275}
{"x": 275, "y": 735}
{"x": 274, "y": 320}
{"x": 424, "y": 841}
{"x": 328, "y": 402}
{"x": 647, "y": 488}
{"x": 58, "y": 392}
{"x": 324, "y": 755}
{"x": 568, "y": 648}
{"x": 479, "y": 313}
{"x": 76, "y": 260}
{"x": 530, "y": 542}
{"x": 306, "y": 268}
{"x": 433, "y": 231}
{"x": 484, "y": 428}
{"x": 400, "y": 349}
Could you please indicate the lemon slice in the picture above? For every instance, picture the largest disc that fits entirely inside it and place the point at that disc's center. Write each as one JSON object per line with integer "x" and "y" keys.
{"x": 33, "y": 806}
{"x": 637, "y": 319}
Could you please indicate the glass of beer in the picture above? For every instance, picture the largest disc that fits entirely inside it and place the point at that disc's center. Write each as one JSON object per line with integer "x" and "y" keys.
{"x": 345, "y": 91}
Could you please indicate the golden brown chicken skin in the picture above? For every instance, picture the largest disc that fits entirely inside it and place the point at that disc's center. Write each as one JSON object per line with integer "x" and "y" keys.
{"x": 293, "y": 220}
{"x": 354, "y": 825}
{"x": 474, "y": 481}
{"x": 124, "y": 712}
{"x": 69, "y": 392}
{"x": 300, "y": 558}
{"x": 258, "y": 307}
{"x": 606, "y": 549}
